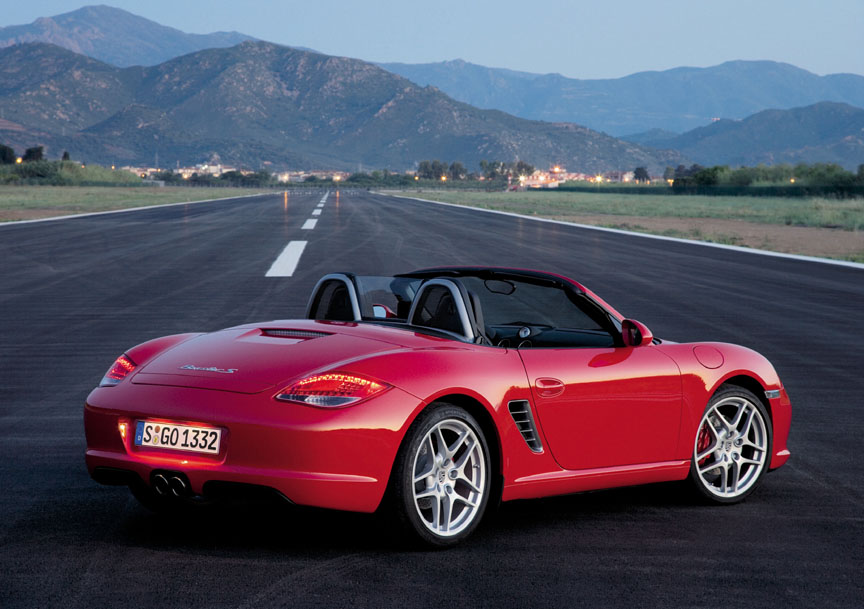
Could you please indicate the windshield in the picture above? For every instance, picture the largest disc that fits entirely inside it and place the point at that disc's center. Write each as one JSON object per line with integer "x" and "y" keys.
{"x": 502, "y": 309}
{"x": 511, "y": 302}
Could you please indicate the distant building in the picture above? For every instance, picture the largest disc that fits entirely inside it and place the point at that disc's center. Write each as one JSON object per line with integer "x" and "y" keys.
{"x": 204, "y": 169}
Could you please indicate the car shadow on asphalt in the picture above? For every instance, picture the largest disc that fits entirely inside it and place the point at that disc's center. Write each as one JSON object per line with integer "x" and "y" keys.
{"x": 263, "y": 526}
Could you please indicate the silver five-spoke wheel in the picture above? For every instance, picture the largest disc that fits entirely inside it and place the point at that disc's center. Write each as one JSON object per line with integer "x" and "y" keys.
{"x": 732, "y": 446}
{"x": 449, "y": 477}
{"x": 442, "y": 477}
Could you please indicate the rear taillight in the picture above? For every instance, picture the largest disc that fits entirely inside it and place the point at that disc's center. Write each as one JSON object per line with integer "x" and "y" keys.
{"x": 119, "y": 371}
{"x": 331, "y": 390}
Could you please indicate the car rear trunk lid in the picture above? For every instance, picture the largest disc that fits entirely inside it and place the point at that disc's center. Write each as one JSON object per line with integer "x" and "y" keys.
{"x": 245, "y": 360}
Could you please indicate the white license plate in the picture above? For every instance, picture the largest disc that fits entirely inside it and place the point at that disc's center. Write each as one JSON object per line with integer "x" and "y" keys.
{"x": 178, "y": 437}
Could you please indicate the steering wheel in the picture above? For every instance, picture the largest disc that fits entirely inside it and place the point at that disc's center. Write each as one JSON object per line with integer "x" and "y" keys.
{"x": 523, "y": 335}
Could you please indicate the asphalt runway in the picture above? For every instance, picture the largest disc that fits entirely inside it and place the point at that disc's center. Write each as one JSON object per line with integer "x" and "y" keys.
{"x": 74, "y": 294}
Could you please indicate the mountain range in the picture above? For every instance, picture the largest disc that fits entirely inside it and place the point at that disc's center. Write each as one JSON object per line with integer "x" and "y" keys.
{"x": 826, "y": 132}
{"x": 115, "y": 36}
{"x": 675, "y": 100}
{"x": 133, "y": 89}
{"x": 260, "y": 102}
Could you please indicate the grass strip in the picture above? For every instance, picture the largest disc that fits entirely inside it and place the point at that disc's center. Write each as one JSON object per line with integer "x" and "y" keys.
{"x": 26, "y": 202}
{"x": 845, "y": 214}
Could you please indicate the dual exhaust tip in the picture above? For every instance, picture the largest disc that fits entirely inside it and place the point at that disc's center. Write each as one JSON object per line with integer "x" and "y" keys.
{"x": 167, "y": 484}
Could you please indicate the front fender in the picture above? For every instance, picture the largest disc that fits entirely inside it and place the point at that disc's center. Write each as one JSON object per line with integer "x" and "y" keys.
{"x": 705, "y": 367}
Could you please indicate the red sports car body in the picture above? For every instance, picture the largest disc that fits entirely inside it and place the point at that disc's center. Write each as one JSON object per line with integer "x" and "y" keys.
{"x": 431, "y": 392}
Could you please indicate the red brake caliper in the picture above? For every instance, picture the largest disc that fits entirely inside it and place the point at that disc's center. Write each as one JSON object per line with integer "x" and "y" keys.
{"x": 703, "y": 442}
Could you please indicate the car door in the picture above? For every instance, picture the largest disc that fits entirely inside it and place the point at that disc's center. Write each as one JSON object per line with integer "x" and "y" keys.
{"x": 603, "y": 407}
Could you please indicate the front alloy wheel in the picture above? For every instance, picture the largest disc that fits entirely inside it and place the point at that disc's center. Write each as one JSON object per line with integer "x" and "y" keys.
{"x": 733, "y": 446}
{"x": 442, "y": 483}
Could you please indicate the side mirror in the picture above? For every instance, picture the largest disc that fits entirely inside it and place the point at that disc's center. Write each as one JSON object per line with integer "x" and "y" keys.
{"x": 635, "y": 333}
{"x": 382, "y": 312}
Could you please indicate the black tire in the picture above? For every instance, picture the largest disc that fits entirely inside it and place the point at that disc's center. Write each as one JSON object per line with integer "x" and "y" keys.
{"x": 453, "y": 496}
{"x": 732, "y": 448}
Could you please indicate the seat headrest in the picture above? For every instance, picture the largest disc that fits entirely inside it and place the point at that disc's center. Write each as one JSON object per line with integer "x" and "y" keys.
{"x": 334, "y": 299}
{"x": 439, "y": 304}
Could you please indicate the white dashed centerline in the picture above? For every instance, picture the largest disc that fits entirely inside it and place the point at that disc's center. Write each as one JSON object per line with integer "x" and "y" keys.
{"x": 286, "y": 263}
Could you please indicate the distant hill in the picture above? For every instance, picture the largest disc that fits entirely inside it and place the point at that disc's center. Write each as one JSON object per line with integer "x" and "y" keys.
{"x": 259, "y": 102}
{"x": 826, "y": 132}
{"x": 653, "y": 138}
{"x": 115, "y": 36}
{"x": 674, "y": 100}
{"x": 634, "y": 107}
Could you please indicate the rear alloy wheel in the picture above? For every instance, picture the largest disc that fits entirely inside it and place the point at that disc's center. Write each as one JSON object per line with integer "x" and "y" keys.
{"x": 732, "y": 449}
{"x": 442, "y": 476}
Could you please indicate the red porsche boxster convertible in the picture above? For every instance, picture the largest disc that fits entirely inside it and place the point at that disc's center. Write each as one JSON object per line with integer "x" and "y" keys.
{"x": 431, "y": 394}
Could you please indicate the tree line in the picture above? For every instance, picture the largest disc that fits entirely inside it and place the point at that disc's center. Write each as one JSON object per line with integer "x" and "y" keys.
{"x": 443, "y": 171}
{"x": 435, "y": 171}
{"x": 817, "y": 174}
{"x": 257, "y": 179}
{"x": 785, "y": 180}
{"x": 31, "y": 155}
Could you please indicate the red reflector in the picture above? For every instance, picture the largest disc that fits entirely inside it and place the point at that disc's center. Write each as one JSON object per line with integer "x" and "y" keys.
{"x": 116, "y": 373}
{"x": 331, "y": 390}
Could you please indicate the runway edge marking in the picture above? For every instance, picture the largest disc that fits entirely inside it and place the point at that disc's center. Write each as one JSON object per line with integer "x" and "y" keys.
{"x": 735, "y": 248}
{"x": 123, "y": 211}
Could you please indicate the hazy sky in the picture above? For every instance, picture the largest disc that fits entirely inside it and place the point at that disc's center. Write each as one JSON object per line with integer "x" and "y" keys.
{"x": 580, "y": 39}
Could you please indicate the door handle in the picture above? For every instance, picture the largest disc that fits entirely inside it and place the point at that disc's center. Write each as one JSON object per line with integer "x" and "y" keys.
{"x": 549, "y": 387}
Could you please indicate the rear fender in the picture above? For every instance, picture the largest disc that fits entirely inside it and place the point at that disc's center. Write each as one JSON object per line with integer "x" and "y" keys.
{"x": 485, "y": 377}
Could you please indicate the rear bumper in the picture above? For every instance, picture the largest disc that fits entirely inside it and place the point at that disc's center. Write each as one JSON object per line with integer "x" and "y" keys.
{"x": 338, "y": 459}
{"x": 337, "y": 491}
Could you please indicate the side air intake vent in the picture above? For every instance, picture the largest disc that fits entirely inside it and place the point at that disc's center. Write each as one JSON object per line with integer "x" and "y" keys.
{"x": 304, "y": 334}
{"x": 520, "y": 410}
